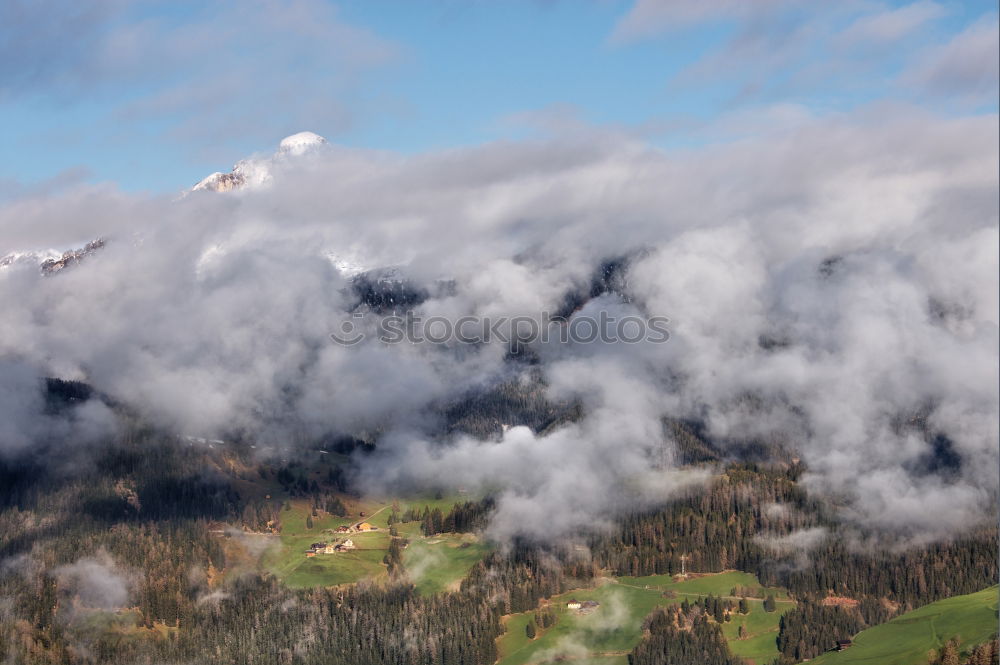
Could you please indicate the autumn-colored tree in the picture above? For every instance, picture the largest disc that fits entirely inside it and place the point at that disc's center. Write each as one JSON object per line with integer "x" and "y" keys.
{"x": 949, "y": 654}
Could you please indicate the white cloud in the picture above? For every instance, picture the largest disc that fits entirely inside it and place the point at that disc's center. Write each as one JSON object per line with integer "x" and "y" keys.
{"x": 95, "y": 582}
{"x": 890, "y": 25}
{"x": 965, "y": 67}
{"x": 732, "y": 238}
{"x": 647, "y": 18}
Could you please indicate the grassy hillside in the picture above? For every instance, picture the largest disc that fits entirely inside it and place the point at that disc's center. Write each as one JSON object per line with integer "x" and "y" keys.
{"x": 609, "y": 633}
{"x": 440, "y": 563}
{"x": 906, "y": 639}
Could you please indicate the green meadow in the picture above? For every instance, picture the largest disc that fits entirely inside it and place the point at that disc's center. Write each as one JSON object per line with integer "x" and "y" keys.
{"x": 760, "y": 644}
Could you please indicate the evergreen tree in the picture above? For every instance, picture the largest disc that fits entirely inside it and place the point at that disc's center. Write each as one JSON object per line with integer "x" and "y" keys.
{"x": 335, "y": 506}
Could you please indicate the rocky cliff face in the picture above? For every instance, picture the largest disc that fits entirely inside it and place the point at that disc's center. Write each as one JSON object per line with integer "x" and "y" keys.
{"x": 71, "y": 257}
{"x": 222, "y": 182}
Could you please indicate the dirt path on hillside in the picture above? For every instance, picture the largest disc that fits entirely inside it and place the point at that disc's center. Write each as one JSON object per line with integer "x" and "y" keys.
{"x": 368, "y": 517}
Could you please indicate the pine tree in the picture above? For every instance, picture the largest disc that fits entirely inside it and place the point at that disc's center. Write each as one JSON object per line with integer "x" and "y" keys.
{"x": 769, "y": 605}
{"x": 529, "y": 630}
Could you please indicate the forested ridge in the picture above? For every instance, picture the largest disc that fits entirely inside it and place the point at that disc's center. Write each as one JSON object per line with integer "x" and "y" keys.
{"x": 734, "y": 523}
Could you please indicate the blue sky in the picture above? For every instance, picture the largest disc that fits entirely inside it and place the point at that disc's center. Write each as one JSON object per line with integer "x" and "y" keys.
{"x": 153, "y": 95}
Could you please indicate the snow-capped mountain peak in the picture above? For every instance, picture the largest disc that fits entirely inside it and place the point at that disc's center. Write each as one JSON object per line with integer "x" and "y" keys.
{"x": 256, "y": 171}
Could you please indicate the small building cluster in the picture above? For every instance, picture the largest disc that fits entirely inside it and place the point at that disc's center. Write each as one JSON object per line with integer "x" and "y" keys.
{"x": 360, "y": 527}
{"x": 330, "y": 548}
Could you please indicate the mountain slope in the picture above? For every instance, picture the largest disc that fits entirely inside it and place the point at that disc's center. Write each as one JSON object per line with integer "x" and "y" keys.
{"x": 906, "y": 639}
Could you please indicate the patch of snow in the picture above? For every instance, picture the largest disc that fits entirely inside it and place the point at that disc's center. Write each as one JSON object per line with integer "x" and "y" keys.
{"x": 209, "y": 182}
{"x": 253, "y": 172}
{"x": 386, "y": 275}
{"x": 41, "y": 257}
{"x": 297, "y": 144}
{"x": 36, "y": 257}
{"x": 348, "y": 266}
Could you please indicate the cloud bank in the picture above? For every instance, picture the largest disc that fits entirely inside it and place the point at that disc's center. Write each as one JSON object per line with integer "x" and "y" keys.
{"x": 833, "y": 284}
